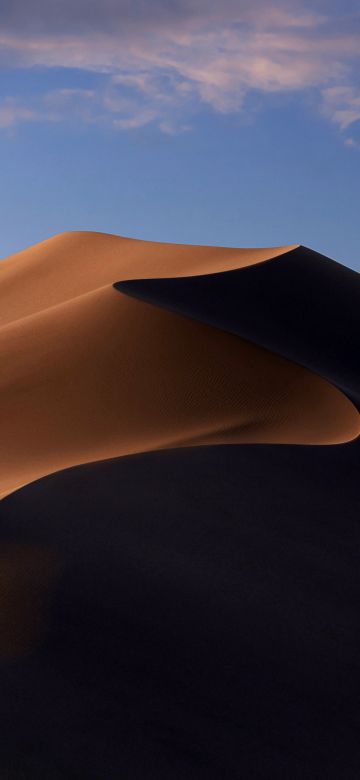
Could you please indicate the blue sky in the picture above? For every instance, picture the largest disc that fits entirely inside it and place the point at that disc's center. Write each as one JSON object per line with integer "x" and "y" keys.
{"x": 193, "y": 122}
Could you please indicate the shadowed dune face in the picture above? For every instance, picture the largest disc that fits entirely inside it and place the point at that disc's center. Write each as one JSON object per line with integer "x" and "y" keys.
{"x": 94, "y": 375}
{"x": 202, "y": 621}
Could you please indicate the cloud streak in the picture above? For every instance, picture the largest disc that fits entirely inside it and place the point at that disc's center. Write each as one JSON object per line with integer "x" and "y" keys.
{"x": 163, "y": 62}
{"x": 342, "y": 105}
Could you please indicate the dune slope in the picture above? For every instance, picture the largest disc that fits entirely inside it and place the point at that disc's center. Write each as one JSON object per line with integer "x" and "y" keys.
{"x": 96, "y": 374}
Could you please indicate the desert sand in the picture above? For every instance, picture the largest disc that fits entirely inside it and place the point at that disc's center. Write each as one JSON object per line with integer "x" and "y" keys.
{"x": 90, "y": 373}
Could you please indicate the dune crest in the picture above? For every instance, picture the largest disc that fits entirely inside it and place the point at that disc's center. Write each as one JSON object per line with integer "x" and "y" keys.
{"x": 71, "y": 264}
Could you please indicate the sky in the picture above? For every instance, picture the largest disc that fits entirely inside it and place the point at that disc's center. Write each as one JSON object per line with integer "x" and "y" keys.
{"x": 193, "y": 121}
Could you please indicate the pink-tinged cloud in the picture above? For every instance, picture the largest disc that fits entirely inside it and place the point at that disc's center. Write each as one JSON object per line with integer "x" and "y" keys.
{"x": 13, "y": 113}
{"x": 164, "y": 61}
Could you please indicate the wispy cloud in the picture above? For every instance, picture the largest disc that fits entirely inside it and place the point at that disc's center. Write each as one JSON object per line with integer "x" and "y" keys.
{"x": 162, "y": 62}
{"x": 11, "y": 113}
{"x": 352, "y": 143}
{"x": 342, "y": 105}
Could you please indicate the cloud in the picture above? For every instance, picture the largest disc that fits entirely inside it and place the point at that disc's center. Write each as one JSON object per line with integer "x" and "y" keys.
{"x": 137, "y": 16}
{"x": 342, "y": 105}
{"x": 352, "y": 143}
{"x": 164, "y": 61}
{"x": 88, "y": 106}
{"x": 137, "y": 120}
{"x": 12, "y": 113}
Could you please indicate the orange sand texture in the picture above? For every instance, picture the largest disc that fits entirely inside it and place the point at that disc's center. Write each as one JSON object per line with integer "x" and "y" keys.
{"x": 89, "y": 373}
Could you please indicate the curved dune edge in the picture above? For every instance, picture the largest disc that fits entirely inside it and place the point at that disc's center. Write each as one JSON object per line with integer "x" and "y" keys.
{"x": 99, "y": 375}
{"x": 105, "y": 375}
{"x": 300, "y": 305}
{"x": 72, "y": 264}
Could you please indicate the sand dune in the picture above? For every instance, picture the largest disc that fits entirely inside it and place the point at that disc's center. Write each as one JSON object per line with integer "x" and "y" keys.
{"x": 95, "y": 374}
{"x": 179, "y": 595}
